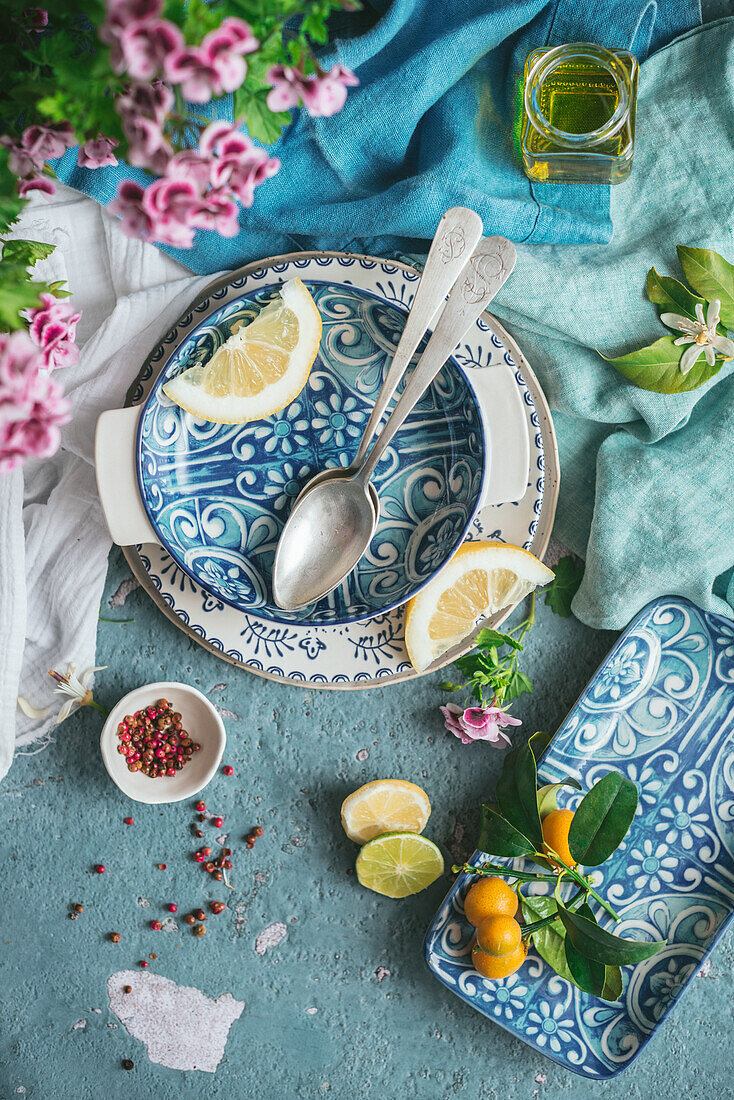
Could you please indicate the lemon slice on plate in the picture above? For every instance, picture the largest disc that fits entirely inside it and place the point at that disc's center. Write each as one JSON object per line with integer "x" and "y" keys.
{"x": 480, "y": 579}
{"x": 384, "y": 806}
{"x": 260, "y": 369}
{"x": 399, "y": 864}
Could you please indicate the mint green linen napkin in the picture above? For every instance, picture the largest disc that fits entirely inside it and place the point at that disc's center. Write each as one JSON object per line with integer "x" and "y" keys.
{"x": 647, "y": 480}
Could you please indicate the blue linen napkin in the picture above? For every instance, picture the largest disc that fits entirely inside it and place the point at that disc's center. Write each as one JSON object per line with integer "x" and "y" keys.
{"x": 646, "y": 479}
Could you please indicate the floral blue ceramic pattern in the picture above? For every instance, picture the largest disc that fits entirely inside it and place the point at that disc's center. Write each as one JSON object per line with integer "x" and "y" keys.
{"x": 372, "y": 652}
{"x": 661, "y": 710}
{"x": 218, "y": 494}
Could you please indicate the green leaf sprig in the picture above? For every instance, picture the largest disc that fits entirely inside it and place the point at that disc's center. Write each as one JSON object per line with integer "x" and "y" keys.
{"x": 658, "y": 366}
{"x": 564, "y": 932}
{"x": 491, "y": 673}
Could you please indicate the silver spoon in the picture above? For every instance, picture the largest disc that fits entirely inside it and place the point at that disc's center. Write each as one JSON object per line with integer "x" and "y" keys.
{"x": 456, "y": 235}
{"x": 332, "y": 524}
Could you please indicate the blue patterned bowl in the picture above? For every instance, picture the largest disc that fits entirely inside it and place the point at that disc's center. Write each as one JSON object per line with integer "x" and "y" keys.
{"x": 218, "y": 495}
{"x": 660, "y": 710}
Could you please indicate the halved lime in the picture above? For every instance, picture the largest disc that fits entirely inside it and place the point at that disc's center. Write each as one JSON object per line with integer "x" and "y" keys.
{"x": 399, "y": 864}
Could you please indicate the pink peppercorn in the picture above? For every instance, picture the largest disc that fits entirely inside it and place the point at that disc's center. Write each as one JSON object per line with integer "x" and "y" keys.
{"x": 156, "y": 925}
{"x": 143, "y": 963}
{"x": 228, "y": 769}
{"x": 100, "y": 868}
{"x": 171, "y": 908}
{"x": 206, "y": 851}
{"x": 217, "y": 822}
{"x": 200, "y": 806}
{"x": 129, "y": 820}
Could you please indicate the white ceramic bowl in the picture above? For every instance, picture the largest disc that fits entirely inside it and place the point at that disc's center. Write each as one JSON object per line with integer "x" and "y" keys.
{"x": 203, "y": 724}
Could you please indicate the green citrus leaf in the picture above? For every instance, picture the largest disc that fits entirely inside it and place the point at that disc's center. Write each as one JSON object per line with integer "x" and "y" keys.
{"x": 657, "y": 368}
{"x": 499, "y": 838}
{"x": 588, "y": 974}
{"x": 710, "y": 275}
{"x": 547, "y": 796}
{"x": 671, "y": 296}
{"x": 517, "y": 794}
{"x": 602, "y": 819}
{"x": 597, "y": 944}
{"x": 612, "y": 990}
{"x": 539, "y": 742}
{"x": 568, "y": 575}
{"x": 548, "y": 942}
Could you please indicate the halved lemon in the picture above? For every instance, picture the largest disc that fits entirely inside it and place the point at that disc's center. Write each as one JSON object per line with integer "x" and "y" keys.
{"x": 399, "y": 864}
{"x": 385, "y": 806}
{"x": 260, "y": 368}
{"x": 480, "y": 579}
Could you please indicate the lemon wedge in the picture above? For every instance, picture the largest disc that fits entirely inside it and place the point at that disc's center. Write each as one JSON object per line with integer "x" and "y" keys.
{"x": 385, "y": 806}
{"x": 480, "y": 579}
{"x": 260, "y": 369}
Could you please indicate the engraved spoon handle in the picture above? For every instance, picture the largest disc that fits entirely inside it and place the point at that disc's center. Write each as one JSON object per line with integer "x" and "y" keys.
{"x": 490, "y": 265}
{"x": 458, "y": 232}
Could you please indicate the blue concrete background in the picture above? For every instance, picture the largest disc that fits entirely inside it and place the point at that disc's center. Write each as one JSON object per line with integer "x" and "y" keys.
{"x": 383, "y": 1027}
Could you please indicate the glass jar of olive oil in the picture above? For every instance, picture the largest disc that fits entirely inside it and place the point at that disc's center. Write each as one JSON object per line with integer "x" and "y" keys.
{"x": 578, "y": 123}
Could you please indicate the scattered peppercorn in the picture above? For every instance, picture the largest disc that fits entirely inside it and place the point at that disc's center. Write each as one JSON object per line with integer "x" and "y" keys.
{"x": 202, "y": 817}
{"x": 258, "y": 830}
{"x": 127, "y": 989}
{"x": 209, "y": 866}
{"x": 127, "y": 1064}
{"x": 198, "y": 833}
{"x": 73, "y": 916}
{"x": 250, "y": 843}
{"x": 217, "y": 906}
{"x": 190, "y": 918}
{"x": 152, "y": 955}
{"x": 143, "y": 963}
{"x": 206, "y": 851}
{"x": 100, "y": 868}
{"x": 218, "y": 875}
{"x": 77, "y": 907}
{"x": 129, "y": 820}
{"x": 199, "y": 914}
{"x": 200, "y": 806}
{"x": 199, "y": 930}
{"x": 171, "y": 907}
{"x": 161, "y": 866}
{"x": 156, "y": 925}
{"x": 226, "y": 851}
{"x": 217, "y": 822}
{"x": 227, "y": 864}
{"x": 228, "y": 769}
{"x": 115, "y": 937}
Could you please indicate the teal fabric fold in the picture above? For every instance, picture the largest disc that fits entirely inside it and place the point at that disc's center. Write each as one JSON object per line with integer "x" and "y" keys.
{"x": 647, "y": 480}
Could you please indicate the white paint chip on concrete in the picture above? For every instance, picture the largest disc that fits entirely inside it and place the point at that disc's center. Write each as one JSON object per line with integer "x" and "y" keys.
{"x": 381, "y": 973}
{"x": 122, "y": 593}
{"x": 80, "y": 1025}
{"x": 311, "y": 1011}
{"x": 540, "y": 1078}
{"x": 181, "y": 1027}
{"x": 270, "y": 937}
{"x": 363, "y": 754}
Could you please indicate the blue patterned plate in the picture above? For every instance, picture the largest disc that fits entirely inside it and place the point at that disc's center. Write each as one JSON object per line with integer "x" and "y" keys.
{"x": 660, "y": 710}
{"x": 217, "y": 495}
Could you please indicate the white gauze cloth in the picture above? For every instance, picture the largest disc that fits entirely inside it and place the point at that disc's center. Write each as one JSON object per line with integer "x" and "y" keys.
{"x": 53, "y": 538}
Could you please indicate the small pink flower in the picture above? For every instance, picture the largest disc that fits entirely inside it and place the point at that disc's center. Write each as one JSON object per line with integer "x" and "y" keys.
{"x": 97, "y": 153}
{"x": 220, "y": 212}
{"x": 35, "y": 18}
{"x": 20, "y": 161}
{"x": 32, "y": 405}
{"x": 129, "y": 205}
{"x": 237, "y": 164}
{"x": 122, "y": 14}
{"x": 48, "y": 142}
{"x": 37, "y": 183}
{"x": 190, "y": 165}
{"x": 321, "y": 95}
{"x": 153, "y": 100}
{"x": 144, "y": 47}
{"x": 478, "y": 723}
{"x": 148, "y": 146}
{"x": 52, "y": 329}
{"x": 216, "y": 66}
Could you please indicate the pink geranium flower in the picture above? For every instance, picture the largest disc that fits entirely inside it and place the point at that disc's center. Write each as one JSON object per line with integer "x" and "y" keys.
{"x": 153, "y": 100}
{"x": 32, "y": 405}
{"x": 144, "y": 47}
{"x": 97, "y": 153}
{"x": 216, "y": 66}
{"x": 37, "y": 183}
{"x": 164, "y": 212}
{"x": 236, "y": 163}
{"x": 53, "y": 329}
{"x": 148, "y": 146}
{"x": 478, "y": 724}
{"x": 48, "y": 142}
{"x": 322, "y": 94}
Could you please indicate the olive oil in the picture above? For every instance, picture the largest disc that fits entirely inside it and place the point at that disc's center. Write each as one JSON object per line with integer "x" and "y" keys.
{"x": 578, "y": 121}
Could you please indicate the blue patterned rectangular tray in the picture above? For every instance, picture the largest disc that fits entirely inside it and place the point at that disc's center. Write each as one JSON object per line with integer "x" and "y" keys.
{"x": 660, "y": 709}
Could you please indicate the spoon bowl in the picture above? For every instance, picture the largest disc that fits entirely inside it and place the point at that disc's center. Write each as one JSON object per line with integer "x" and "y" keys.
{"x": 332, "y": 523}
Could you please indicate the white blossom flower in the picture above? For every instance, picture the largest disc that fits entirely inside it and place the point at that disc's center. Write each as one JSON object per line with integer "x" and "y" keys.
{"x": 700, "y": 334}
{"x": 76, "y": 687}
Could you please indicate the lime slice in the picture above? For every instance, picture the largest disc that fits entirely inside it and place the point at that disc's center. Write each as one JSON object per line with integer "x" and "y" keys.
{"x": 399, "y": 864}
